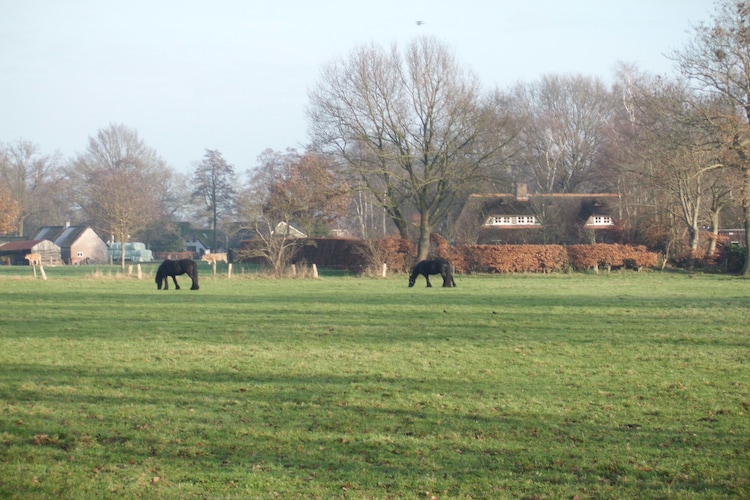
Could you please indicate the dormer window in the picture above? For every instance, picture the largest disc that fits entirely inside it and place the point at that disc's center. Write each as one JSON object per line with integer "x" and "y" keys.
{"x": 512, "y": 220}
{"x": 599, "y": 221}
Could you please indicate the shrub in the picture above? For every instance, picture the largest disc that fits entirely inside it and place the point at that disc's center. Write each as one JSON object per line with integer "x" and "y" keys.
{"x": 608, "y": 256}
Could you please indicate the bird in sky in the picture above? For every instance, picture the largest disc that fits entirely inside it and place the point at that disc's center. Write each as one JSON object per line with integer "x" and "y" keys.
{"x": 420, "y": 23}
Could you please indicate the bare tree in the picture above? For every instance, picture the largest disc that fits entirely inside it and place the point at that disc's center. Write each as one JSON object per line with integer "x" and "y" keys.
{"x": 414, "y": 127}
{"x": 717, "y": 58}
{"x": 290, "y": 189}
{"x": 565, "y": 119}
{"x": 118, "y": 178}
{"x": 37, "y": 183}
{"x": 213, "y": 183}
{"x": 671, "y": 152}
{"x": 302, "y": 189}
{"x": 121, "y": 201}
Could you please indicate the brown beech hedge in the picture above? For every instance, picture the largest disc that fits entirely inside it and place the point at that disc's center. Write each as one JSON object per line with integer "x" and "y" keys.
{"x": 399, "y": 255}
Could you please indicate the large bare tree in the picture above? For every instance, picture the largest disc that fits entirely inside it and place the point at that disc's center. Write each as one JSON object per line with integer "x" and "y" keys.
{"x": 675, "y": 160}
{"x": 412, "y": 125}
{"x": 118, "y": 178}
{"x": 717, "y": 58}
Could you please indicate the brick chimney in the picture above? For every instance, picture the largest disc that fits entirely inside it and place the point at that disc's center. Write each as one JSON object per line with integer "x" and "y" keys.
{"x": 522, "y": 191}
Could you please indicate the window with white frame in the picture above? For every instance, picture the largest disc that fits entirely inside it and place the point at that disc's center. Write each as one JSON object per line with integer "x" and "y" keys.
{"x": 512, "y": 220}
{"x": 600, "y": 220}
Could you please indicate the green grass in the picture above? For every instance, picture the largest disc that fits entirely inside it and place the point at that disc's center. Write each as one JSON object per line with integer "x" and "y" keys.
{"x": 592, "y": 386}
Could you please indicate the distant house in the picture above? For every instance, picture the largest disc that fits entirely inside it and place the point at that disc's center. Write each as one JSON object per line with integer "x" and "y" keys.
{"x": 13, "y": 253}
{"x": 284, "y": 229}
{"x": 523, "y": 218}
{"x": 733, "y": 236}
{"x": 78, "y": 244}
{"x": 197, "y": 243}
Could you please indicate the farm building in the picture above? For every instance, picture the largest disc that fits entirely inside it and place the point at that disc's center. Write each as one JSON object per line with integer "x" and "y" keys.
{"x": 523, "y": 218}
{"x": 13, "y": 253}
{"x": 78, "y": 244}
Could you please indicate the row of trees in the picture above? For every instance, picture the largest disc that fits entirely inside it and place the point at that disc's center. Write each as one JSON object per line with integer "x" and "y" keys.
{"x": 400, "y": 137}
{"x": 414, "y": 129}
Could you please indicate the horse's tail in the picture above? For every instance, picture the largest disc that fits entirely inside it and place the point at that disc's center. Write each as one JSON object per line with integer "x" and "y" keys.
{"x": 194, "y": 275}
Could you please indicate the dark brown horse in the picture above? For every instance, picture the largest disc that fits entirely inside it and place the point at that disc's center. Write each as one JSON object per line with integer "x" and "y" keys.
{"x": 428, "y": 267}
{"x": 175, "y": 268}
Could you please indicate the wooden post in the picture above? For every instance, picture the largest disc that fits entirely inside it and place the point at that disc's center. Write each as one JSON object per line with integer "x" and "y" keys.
{"x": 130, "y": 269}
{"x": 41, "y": 269}
{"x": 315, "y": 271}
{"x": 294, "y": 270}
{"x": 385, "y": 270}
{"x": 229, "y": 271}
{"x": 213, "y": 267}
{"x": 140, "y": 272}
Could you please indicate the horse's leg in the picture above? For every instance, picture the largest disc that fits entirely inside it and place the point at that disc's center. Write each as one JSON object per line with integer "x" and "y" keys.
{"x": 427, "y": 277}
{"x": 194, "y": 279}
{"x": 448, "y": 278}
{"x": 176, "y": 286}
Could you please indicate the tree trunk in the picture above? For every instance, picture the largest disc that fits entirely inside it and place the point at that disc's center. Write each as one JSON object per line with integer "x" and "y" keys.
{"x": 398, "y": 220}
{"x": 745, "y": 272}
{"x": 423, "y": 247}
{"x": 694, "y": 240}
{"x": 714, "y": 232}
{"x": 122, "y": 254}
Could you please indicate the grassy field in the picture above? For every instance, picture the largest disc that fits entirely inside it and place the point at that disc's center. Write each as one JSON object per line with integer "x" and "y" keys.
{"x": 620, "y": 385}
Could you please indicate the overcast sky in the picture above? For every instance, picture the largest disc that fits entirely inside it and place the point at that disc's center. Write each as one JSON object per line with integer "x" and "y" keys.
{"x": 233, "y": 75}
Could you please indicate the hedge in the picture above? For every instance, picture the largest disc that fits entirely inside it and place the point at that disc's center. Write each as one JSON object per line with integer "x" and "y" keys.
{"x": 398, "y": 255}
{"x": 544, "y": 258}
{"x": 608, "y": 256}
{"x": 513, "y": 258}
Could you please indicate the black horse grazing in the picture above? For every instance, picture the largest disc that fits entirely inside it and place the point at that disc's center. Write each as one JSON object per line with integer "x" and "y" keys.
{"x": 175, "y": 268}
{"x": 428, "y": 267}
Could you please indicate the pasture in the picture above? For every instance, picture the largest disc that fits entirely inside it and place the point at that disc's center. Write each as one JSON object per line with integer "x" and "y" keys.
{"x": 617, "y": 385}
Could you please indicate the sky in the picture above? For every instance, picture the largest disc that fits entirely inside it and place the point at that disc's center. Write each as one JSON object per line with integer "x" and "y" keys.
{"x": 234, "y": 75}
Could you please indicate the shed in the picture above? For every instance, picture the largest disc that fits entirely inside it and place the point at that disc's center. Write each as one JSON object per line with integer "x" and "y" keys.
{"x": 13, "y": 253}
